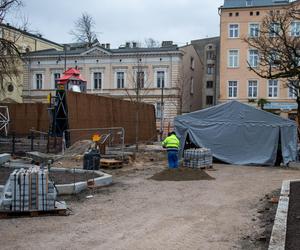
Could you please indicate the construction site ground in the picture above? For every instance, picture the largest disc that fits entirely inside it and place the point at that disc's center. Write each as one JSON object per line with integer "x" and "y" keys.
{"x": 231, "y": 211}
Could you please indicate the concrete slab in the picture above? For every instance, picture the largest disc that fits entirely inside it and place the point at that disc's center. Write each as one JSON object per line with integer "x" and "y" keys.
{"x": 4, "y": 158}
{"x": 40, "y": 157}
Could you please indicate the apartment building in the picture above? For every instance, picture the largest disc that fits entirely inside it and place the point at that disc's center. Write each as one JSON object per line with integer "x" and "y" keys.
{"x": 208, "y": 50}
{"x": 25, "y": 42}
{"x": 240, "y": 19}
{"x": 116, "y": 72}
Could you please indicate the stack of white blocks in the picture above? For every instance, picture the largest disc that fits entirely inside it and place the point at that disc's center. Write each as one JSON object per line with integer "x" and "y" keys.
{"x": 28, "y": 190}
{"x": 197, "y": 157}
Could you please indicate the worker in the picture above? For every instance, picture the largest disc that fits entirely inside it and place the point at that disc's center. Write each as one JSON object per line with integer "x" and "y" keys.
{"x": 172, "y": 145}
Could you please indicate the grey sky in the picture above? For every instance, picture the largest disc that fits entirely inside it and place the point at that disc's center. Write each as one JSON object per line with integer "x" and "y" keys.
{"x": 118, "y": 21}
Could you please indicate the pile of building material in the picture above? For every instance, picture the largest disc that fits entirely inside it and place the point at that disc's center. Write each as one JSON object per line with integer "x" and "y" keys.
{"x": 197, "y": 158}
{"x": 28, "y": 190}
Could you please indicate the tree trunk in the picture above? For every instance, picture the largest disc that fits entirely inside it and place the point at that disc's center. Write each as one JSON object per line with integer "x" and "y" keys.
{"x": 298, "y": 114}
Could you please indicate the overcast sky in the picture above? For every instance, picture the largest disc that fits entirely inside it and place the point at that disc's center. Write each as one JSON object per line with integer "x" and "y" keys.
{"x": 118, "y": 21}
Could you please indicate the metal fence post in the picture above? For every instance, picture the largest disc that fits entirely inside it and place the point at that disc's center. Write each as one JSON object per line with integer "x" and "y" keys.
{"x": 31, "y": 139}
{"x": 48, "y": 141}
{"x": 13, "y": 143}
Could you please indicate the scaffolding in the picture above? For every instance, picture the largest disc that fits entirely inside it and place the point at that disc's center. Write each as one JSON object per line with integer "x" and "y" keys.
{"x": 4, "y": 120}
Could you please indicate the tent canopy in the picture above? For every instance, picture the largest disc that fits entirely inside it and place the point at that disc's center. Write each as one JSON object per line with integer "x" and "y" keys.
{"x": 238, "y": 133}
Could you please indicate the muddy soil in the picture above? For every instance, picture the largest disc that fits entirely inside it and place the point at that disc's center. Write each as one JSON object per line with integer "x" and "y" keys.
{"x": 181, "y": 174}
{"x": 265, "y": 213}
{"x": 293, "y": 222}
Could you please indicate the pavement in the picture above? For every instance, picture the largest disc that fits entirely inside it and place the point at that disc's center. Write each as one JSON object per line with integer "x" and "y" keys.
{"x": 139, "y": 213}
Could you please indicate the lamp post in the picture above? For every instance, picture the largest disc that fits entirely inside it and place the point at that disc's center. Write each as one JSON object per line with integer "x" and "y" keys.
{"x": 162, "y": 110}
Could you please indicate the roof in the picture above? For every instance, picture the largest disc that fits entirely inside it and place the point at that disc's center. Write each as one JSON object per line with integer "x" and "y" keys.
{"x": 70, "y": 74}
{"x": 79, "y": 51}
{"x": 255, "y": 3}
{"x": 237, "y": 113}
{"x": 26, "y": 33}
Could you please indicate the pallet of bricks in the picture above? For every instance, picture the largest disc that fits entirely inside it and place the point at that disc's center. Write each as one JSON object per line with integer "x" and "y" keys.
{"x": 28, "y": 190}
{"x": 197, "y": 158}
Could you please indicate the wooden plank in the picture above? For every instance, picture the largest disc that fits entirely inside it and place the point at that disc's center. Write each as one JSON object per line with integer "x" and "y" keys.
{"x": 60, "y": 210}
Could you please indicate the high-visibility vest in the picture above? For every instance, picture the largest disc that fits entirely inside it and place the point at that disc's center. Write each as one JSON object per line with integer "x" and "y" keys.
{"x": 171, "y": 142}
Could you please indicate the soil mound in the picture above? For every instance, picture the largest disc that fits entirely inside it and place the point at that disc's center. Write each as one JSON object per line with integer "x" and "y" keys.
{"x": 182, "y": 174}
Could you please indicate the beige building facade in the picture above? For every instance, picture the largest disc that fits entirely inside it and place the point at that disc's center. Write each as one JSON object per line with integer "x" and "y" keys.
{"x": 116, "y": 72}
{"x": 240, "y": 19}
{"x": 25, "y": 42}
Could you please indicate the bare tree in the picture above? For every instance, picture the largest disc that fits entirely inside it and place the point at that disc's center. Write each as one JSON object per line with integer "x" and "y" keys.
{"x": 137, "y": 88}
{"x": 278, "y": 45}
{"x": 84, "y": 29}
{"x": 9, "y": 53}
{"x": 151, "y": 43}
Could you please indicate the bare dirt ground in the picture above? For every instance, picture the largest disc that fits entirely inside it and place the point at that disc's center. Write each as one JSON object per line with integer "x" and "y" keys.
{"x": 139, "y": 213}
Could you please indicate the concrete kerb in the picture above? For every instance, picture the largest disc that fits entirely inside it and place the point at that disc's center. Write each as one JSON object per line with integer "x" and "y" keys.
{"x": 103, "y": 179}
{"x": 278, "y": 236}
{"x": 4, "y": 158}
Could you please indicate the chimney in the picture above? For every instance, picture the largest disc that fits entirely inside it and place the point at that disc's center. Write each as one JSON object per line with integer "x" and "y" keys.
{"x": 103, "y": 45}
{"x": 167, "y": 44}
{"x": 108, "y": 45}
{"x": 67, "y": 47}
{"x": 127, "y": 45}
{"x": 134, "y": 44}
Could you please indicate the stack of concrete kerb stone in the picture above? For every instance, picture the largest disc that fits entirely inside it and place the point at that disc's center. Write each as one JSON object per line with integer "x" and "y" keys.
{"x": 197, "y": 158}
{"x": 28, "y": 190}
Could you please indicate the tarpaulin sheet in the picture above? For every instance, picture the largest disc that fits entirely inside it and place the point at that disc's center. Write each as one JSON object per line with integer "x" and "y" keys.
{"x": 238, "y": 133}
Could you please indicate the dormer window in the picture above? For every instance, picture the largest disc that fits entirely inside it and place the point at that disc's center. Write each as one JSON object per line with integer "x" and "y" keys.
{"x": 249, "y": 2}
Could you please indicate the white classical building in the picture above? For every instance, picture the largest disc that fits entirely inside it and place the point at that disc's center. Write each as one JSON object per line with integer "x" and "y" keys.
{"x": 159, "y": 73}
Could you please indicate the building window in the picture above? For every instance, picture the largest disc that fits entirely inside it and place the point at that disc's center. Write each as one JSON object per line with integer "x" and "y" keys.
{"x": 251, "y": 13}
{"x": 257, "y": 13}
{"x": 249, "y": 2}
{"x": 120, "y": 80}
{"x": 97, "y": 80}
{"x": 209, "y": 84}
{"x": 254, "y": 30}
{"x": 192, "y": 86}
{"x": 160, "y": 79}
{"x": 39, "y": 81}
{"x": 273, "y": 58}
{"x": 292, "y": 92}
{"x": 233, "y": 60}
{"x": 192, "y": 63}
{"x": 140, "y": 79}
{"x": 209, "y": 100}
{"x": 210, "y": 69}
{"x": 295, "y": 29}
{"x": 56, "y": 77}
{"x": 158, "y": 110}
{"x": 253, "y": 57}
{"x": 274, "y": 29}
{"x": 210, "y": 55}
{"x": 232, "y": 89}
{"x": 237, "y": 14}
{"x": 252, "y": 89}
{"x": 230, "y": 14}
{"x": 273, "y": 88}
{"x": 233, "y": 30}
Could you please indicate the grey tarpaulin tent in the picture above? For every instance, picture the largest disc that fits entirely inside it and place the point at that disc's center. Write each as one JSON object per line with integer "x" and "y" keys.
{"x": 239, "y": 134}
